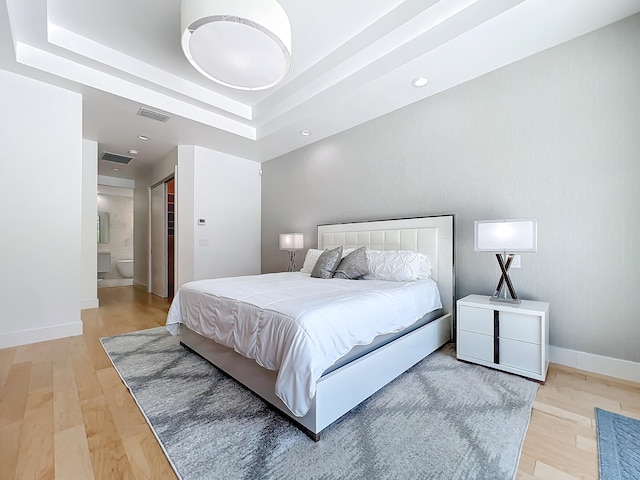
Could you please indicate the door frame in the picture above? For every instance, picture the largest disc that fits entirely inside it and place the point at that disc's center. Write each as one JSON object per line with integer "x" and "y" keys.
{"x": 164, "y": 243}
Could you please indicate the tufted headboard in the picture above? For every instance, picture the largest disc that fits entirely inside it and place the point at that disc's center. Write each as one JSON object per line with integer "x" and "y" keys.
{"x": 432, "y": 236}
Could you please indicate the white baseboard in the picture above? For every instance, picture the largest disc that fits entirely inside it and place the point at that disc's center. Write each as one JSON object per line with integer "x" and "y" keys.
{"x": 86, "y": 304}
{"x": 612, "y": 367}
{"x": 25, "y": 337}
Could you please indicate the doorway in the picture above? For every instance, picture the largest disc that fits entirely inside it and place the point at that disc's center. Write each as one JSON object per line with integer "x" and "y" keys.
{"x": 161, "y": 238}
{"x": 171, "y": 189}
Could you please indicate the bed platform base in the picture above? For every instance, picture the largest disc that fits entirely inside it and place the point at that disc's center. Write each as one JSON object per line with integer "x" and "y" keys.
{"x": 338, "y": 391}
{"x": 313, "y": 436}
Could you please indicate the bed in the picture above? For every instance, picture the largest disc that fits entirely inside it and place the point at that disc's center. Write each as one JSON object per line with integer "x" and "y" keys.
{"x": 326, "y": 388}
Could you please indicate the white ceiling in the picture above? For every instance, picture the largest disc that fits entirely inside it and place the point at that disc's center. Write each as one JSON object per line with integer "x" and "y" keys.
{"x": 352, "y": 61}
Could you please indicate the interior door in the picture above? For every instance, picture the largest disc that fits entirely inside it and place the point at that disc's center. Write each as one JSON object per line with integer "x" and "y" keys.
{"x": 170, "y": 236}
{"x": 158, "y": 234}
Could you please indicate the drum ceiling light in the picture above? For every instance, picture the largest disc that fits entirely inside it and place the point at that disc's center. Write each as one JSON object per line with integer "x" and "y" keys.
{"x": 240, "y": 44}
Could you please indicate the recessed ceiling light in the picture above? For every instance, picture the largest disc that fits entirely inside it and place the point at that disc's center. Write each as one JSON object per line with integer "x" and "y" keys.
{"x": 133, "y": 152}
{"x": 143, "y": 137}
{"x": 306, "y": 133}
{"x": 116, "y": 169}
{"x": 420, "y": 82}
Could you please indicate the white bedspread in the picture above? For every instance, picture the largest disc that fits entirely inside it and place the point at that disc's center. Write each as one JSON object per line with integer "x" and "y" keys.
{"x": 296, "y": 324}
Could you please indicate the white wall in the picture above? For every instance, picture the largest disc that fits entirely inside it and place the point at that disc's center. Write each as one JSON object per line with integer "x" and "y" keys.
{"x": 165, "y": 167}
{"x": 554, "y": 136}
{"x": 225, "y": 191}
{"x": 116, "y": 182}
{"x": 41, "y": 182}
{"x": 88, "y": 288}
{"x": 141, "y": 227}
{"x": 184, "y": 217}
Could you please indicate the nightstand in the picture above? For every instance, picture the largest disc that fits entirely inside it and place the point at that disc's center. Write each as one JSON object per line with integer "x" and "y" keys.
{"x": 513, "y": 338}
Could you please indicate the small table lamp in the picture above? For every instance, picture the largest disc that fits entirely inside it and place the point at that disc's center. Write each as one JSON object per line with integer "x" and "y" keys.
{"x": 291, "y": 242}
{"x": 505, "y": 237}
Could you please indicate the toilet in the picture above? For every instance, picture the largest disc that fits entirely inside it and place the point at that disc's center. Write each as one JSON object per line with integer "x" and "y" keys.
{"x": 125, "y": 268}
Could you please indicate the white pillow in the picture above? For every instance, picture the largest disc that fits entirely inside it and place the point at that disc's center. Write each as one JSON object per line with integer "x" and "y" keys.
{"x": 310, "y": 260}
{"x": 397, "y": 265}
{"x": 312, "y": 257}
{"x": 425, "y": 267}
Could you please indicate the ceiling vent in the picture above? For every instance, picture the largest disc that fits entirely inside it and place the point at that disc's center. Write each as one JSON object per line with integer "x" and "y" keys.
{"x": 114, "y": 157}
{"x": 160, "y": 117}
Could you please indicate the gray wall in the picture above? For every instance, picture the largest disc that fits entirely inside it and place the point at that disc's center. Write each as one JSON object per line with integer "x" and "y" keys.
{"x": 555, "y": 136}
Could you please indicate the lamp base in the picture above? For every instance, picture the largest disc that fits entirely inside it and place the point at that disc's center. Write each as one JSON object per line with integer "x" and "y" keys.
{"x": 505, "y": 282}
{"x": 510, "y": 301}
{"x": 292, "y": 261}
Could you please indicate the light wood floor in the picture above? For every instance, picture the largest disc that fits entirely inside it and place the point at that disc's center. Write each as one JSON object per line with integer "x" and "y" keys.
{"x": 65, "y": 414}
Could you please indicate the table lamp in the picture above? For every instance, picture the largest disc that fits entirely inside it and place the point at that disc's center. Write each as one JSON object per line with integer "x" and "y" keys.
{"x": 291, "y": 242}
{"x": 505, "y": 237}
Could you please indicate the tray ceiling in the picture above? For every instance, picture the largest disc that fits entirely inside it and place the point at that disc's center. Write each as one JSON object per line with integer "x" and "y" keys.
{"x": 351, "y": 62}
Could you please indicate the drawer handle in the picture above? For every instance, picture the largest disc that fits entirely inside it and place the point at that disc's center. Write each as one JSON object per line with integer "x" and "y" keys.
{"x": 496, "y": 337}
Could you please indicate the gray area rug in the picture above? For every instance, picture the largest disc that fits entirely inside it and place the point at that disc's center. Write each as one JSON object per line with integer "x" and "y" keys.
{"x": 618, "y": 446}
{"x": 442, "y": 419}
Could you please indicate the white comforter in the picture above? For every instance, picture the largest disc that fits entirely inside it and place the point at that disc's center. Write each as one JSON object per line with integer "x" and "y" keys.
{"x": 297, "y": 324}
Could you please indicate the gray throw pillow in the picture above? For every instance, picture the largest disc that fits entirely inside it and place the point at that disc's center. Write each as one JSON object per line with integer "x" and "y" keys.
{"x": 327, "y": 263}
{"x": 353, "y": 266}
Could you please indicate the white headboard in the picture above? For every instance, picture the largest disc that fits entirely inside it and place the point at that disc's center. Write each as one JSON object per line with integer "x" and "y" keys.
{"x": 432, "y": 236}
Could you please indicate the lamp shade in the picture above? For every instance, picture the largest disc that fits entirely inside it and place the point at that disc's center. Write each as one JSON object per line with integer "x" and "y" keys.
{"x": 240, "y": 44}
{"x": 291, "y": 241}
{"x": 506, "y": 236}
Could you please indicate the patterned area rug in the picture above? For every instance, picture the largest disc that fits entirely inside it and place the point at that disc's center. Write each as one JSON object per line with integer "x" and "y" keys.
{"x": 618, "y": 446}
{"x": 442, "y": 419}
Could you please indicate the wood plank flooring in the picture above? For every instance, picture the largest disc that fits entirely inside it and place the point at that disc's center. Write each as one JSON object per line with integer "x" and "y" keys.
{"x": 65, "y": 413}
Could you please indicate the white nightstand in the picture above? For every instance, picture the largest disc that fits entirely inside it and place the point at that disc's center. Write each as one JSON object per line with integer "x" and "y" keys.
{"x": 513, "y": 338}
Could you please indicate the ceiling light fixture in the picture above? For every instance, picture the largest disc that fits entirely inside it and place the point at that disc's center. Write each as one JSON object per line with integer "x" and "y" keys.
{"x": 133, "y": 152}
{"x": 420, "y": 82}
{"x": 143, "y": 137}
{"x": 244, "y": 45}
{"x": 306, "y": 133}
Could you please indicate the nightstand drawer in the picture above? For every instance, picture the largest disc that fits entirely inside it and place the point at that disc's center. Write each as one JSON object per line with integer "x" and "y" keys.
{"x": 519, "y": 344}
{"x": 475, "y": 345}
{"x": 525, "y": 356}
{"x": 517, "y": 326}
{"x": 479, "y": 320}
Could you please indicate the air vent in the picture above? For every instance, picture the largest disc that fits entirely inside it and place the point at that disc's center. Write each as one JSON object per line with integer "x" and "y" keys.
{"x": 160, "y": 117}
{"x": 114, "y": 157}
